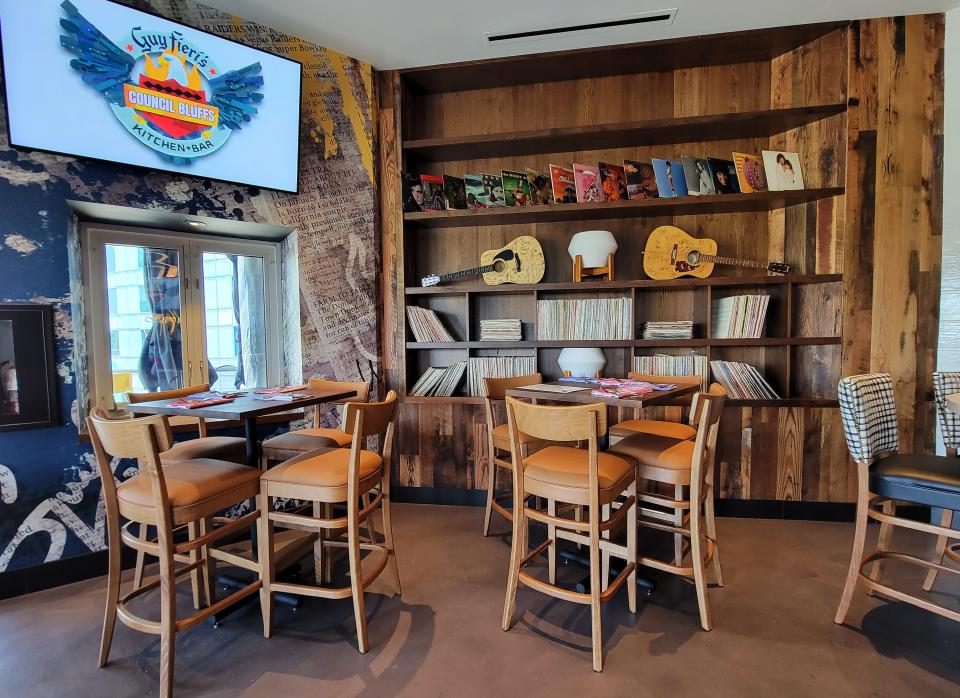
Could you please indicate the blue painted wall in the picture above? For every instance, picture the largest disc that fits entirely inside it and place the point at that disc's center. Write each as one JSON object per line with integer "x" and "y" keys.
{"x": 50, "y": 505}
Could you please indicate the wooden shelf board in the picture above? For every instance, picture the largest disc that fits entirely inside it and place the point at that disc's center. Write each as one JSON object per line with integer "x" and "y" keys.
{"x": 614, "y": 343}
{"x": 455, "y": 400}
{"x": 690, "y": 129}
{"x": 672, "y": 206}
{"x": 646, "y": 57}
{"x": 640, "y": 284}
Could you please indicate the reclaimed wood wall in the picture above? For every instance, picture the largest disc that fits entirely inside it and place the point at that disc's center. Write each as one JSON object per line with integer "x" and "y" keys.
{"x": 883, "y": 235}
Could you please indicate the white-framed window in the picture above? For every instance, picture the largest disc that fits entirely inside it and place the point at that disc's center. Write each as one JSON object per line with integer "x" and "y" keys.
{"x": 168, "y": 310}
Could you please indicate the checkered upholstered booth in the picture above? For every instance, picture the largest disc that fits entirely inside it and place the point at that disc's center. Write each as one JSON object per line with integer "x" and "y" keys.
{"x": 946, "y": 383}
{"x": 869, "y": 415}
{"x": 886, "y": 477}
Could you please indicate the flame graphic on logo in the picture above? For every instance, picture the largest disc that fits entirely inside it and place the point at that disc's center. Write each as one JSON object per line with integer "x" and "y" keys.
{"x": 161, "y": 69}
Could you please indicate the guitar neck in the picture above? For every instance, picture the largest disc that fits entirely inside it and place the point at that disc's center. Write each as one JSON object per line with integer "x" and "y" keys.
{"x": 453, "y": 276}
{"x": 733, "y": 261}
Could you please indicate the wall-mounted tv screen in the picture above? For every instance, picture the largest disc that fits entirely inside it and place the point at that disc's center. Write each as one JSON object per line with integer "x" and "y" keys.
{"x": 96, "y": 79}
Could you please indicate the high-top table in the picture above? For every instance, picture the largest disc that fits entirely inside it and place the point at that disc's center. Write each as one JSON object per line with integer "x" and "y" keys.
{"x": 246, "y": 409}
{"x": 585, "y": 396}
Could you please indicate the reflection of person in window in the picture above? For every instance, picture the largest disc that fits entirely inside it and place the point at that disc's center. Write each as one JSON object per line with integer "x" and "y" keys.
{"x": 8, "y": 388}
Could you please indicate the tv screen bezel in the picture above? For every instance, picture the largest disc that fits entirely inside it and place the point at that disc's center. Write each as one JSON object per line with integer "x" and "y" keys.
{"x": 161, "y": 168}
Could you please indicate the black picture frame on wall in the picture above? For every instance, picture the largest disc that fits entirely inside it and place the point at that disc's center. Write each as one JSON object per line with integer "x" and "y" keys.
{"x": 28, "y": 367}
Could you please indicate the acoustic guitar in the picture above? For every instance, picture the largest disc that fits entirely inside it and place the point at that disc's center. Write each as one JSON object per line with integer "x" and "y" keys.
{"x": 671, "y": 253}
{"x": 520, "y": 261}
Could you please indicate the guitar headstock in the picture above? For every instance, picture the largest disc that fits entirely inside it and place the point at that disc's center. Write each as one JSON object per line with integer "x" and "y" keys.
{"x": 778, "y": 268}
{"x": 431, "y": 280}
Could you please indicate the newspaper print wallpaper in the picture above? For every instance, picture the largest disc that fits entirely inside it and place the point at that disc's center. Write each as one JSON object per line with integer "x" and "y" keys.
{"x": 50, "y": 502}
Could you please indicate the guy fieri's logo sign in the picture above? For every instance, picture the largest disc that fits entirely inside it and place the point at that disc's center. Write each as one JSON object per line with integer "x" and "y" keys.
{"x": 166, "y": 91}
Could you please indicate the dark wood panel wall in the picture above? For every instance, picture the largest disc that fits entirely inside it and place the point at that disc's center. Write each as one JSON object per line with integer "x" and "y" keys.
{"x": 883, "y": 235}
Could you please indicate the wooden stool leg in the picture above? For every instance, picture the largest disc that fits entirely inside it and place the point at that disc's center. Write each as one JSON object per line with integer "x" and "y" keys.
{"x": 699, "y": 570}
{"x": 265, "y": 558}
{"x": 196, "y": 579}
{"x": 595, "y": 589}
{"x": 711, "y": 523}
{"x": 491, "y": 490}
{"x": 356, "y": 575}
{"x": 113, "y": 589}
{"x": 552, "y": 550}
{"x": 388, "y": 540}
{"x": 371, "y": 527}
{"x": 859, "y": 538}
{"x": 141, "y": 559}
{"x": 516, "y": 555}
{"x": 168, "y": 615}
{"x": 678, "y": 521}
{"x": 328, "y": 554}
{"x": 318, "y": 551}
{"x": 946, "y": 520}
{"x": 632, "y": 549}
{"x": 883, "y": 542}
{"x": 209, "y": 564}
{"x": 605, "y": 554}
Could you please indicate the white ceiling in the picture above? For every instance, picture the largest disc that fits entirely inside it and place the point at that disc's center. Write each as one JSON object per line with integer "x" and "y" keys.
{"x": 406, "y": 33}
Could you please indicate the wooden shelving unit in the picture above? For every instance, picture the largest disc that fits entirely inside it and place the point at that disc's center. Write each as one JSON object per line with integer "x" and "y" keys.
{"x": 803, "y": 89}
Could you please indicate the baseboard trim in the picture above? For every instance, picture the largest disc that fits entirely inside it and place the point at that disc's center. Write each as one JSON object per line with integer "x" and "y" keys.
{"x": 59, "y": 572}
{"x": 75, "y": 569}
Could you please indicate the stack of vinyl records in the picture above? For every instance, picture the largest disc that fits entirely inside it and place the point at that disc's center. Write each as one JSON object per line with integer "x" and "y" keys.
{"x": 742, "y": 381}
{"x": 496, "y": 367}
{"x": 739, "y": 316}
{"x": 585, "y": 318}
{"x": 426, "y": 326}
{"x": 668, "y": 329}
{"x": 666, "y": 365}
{"x": 500, "y": 330}
{"x": 439, "y": 382}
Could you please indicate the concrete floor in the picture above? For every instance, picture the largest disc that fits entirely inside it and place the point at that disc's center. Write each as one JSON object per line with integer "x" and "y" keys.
{"x": 773, "y": 633}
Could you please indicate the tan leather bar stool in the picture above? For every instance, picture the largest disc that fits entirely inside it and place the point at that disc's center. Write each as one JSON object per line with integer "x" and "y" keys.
{"x": 674, "y": 430}
{"x": 664, "y": 458}
{"x": 684, "y": 463}
{"x": 170, "y": 497}
{"x": 229, "y": 448}
{"x": 335, "y": 476}
{"x": 294, "y": 443}
{"x": 498, "y": 441}
{"x": 585, "y": 477}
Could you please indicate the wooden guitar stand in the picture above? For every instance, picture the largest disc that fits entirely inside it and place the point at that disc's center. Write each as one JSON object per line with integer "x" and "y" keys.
{"x": 581, "y": 272}
{"x": 567, "y": 374}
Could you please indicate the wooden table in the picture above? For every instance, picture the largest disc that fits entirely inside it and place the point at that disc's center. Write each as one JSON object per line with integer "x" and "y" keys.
{"x": 585, "y": 397}
{"x": 245, "y": 409}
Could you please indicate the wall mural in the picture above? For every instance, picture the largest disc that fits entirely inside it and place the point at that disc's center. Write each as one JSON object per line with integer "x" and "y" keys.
{"x": 50, "y": 501}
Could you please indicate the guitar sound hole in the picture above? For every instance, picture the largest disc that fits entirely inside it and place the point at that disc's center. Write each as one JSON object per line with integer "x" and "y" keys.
{"x": 498, "y": 265}
{"x": 693, "y": 258}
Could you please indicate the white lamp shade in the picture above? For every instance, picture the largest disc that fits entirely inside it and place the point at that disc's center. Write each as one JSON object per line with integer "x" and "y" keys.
{"x": 582, "y": 362}
{"x": 593, "y": 246}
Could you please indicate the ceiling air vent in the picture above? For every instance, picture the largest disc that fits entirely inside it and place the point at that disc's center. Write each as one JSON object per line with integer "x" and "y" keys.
{"x": 657, "y": 17}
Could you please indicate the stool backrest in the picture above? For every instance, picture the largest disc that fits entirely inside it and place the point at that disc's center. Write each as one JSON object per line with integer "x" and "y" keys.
{"x": 370, "y": 419}
{"x": 361, "y": 388}
{"x": 947, "y": 383}
{"x": 717, "y": 394}
{"x": 869, "y": 415}
{"x": 708, "y": 407}
{"x": 497, "y": 387}
{"x": 143, "y": 438}
{"x": 135, "y": 398}
{"x": 556, "y": 423}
